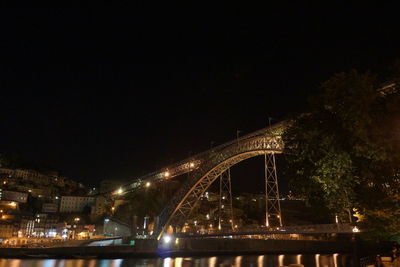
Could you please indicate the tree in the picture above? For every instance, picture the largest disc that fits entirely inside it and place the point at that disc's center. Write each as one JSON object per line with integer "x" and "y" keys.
{"x": 344, "y": 153}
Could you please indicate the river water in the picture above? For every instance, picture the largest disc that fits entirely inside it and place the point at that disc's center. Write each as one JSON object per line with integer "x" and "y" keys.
{"x": 308, "y": 260}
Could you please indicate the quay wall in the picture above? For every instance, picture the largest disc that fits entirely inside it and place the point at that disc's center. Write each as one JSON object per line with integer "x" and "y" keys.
{"x": 185, "y": 247}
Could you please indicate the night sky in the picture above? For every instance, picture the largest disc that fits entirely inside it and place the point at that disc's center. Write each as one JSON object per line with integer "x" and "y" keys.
{"x": 114, "y": 93}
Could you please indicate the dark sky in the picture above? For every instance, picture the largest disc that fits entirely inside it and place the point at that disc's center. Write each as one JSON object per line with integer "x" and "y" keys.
{"x": 113, "y": 93}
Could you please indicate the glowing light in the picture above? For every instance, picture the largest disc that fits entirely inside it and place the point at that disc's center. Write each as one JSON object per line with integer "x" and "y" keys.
{"x": 167, "y": 262}
{"x": 191, "y": 165}
{"x": 355, "y": 229}
{"x": 298, "y": 259}
{"x": 212, "y": 261}
{"x": 120, "y": 191}
{"x": 238, "y": 261}
{"x": 208, "y": 216}
{"x": 280, "y": 259}
{"x": 335, "y": 256}
{"x": 77, "y": 219}
{"x": 113, "y": 208}
{"x": 148, "y": 184}
{"x": 260, "y": 261}
{"x": 13, "y": 204}
{"x": 317, "y": 260}
{"x": 167, "y": 239}
{"x": 166, "y": 174}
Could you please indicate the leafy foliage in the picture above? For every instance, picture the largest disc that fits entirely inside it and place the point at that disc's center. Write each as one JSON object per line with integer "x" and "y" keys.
{"x": 345, "y": 152}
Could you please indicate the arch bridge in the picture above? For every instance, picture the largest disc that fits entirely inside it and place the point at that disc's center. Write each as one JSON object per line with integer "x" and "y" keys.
{"x": 206, "y": 167}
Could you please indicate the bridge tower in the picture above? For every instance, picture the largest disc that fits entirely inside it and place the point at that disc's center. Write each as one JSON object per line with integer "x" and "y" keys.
{"x": 225, "y": 219}
{"x": 272, "y": 205}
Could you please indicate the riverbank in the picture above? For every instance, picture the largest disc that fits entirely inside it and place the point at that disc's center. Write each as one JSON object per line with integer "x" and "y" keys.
{"x": 192, "y": 247}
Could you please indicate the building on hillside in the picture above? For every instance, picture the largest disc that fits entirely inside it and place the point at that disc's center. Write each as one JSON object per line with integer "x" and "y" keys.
{"x": 41, "y": 225}
{"x": 7, "y": 230}
{"x": 13, "y": 196}
{"x": 49, "y": 207}
{"x": 71, "y": 204}
{"x": 99, "y": 208}
{"x": 36, "y": 179}
{"x": 6, "y": 206}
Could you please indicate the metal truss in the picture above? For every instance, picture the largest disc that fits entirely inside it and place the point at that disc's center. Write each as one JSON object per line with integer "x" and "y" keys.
{"x": 225, "y": 217}
{"x": 188, "y": 165}
{"x": 212, "y": 165}
{"x": 272, "y": 204}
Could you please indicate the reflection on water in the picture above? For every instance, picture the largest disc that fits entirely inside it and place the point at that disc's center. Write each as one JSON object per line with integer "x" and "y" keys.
{"x": 308, "y": 260}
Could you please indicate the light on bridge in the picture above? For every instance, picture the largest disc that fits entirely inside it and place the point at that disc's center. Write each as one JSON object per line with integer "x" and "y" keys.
{"x": 167, "y": 239}
{"x": 119, "y": 191}
{"x": 191, "y": 164}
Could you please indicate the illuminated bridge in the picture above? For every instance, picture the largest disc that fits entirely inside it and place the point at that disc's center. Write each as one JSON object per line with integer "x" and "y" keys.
{"x": 207, "y": 167}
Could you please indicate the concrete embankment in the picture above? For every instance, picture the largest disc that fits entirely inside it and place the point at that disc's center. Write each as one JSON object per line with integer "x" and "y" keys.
{"x": 185, "y": 247}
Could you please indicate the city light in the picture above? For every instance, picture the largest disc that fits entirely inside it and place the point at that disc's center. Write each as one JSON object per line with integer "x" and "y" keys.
{"x": 166, "y": 174}
{"x": 120, "y": 191}
{"x": 77, "y": 219}
{"x": 167, "y": 239}
{"x": 13, "y": 204}
{"x": 113, "y": 208}
{"x": 148, "y": 184}
{"x": 191, "y": 164}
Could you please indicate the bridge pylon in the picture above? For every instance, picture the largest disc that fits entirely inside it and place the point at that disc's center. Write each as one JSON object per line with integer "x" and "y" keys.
{"x": 225, "y": 218}
{"x": 272, "y": 203}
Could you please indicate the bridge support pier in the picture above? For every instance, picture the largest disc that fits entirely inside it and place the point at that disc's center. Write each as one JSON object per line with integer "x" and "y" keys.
{"x": 225, "y": 201}
{"x": 272, "y": 204}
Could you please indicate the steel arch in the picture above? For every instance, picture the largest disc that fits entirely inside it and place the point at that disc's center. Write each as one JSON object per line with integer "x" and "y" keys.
{"x": 211, "y": 167}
